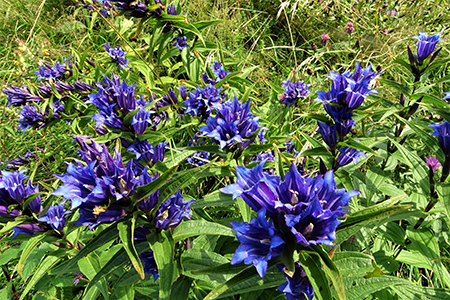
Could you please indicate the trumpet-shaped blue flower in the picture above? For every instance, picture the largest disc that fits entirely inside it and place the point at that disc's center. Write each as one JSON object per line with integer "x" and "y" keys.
{"x": 347, "y": 154}
{"x": 171, "y": 212}
{"x": 306, "y": 207}
{"x": 117, "y": 54}
{"x": 55, "y": 217}
{"x": 92, "y": 215}
{"x": 181, "y": 43}
{"x": 141, "y": 120}
{"x": 27, "y": 229}
{"x": 294, "y": 91}
{"x": 233, "y": 124}
{"x": 202, "y": 101}
{"x": 426, "y": 45}
{"x": 298, "y": 286}
{"x": 442, "y": 131}
{"x": 145, "y": 151}
{"x": 260, "y": 242}
{"x": 19, "y": 96}
{"x": 329, "y": 134}
{"x": 30, "y": 117}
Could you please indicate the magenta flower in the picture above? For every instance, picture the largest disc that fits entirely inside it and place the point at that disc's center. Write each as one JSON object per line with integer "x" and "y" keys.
{"x": 349, "y": 27}
{"x": 433, "y": 163}
{"x": 324, "y": 39}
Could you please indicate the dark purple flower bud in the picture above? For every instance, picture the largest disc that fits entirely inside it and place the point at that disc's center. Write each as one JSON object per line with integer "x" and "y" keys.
{"x": 171, "y": 212}
{"x": 260, "y": 242}
{"x": 55, "y": 217}
{"x": 433, "y": 163}
{"x": 298, "y": 286}
{"x": 347, "y": 154}
{"x": 7, "y": 212}
{"x": 349, "y": 28}
{"x": 28, "y": 229}
{"x": 141, "y": 120}
{"x": 426, "y": 45}
{"x": 329, "y": 134}
{"x": 181, "y": 43}
{"x": 35, "y": 205}
{"x": 182, "y": 90}
{"x": 324, "y": 39}
{"x": 82, "y": 86}
{"x": 442, "y": 131}
{"x": 150, "y": 267}
{"x": 19, "y": 96}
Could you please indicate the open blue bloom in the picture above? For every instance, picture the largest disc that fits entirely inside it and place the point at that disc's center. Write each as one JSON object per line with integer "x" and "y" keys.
{"x": 260, "y": 242}
{"x": 181, "y": 43}
{"x": 426, "y": 45}
{"x": 92, "y": 215}
{"x": 298, "y": 286}
{"x": 117, "y": 54}
{"x": 138, "y": 9}
{"x": 290, "y": 148}
{"x": 347, "y": 154}
{"x": 442, "y": 131}
{"x": 171, "y": 212}
{"x": 12, "y": 183}
{"x": 141, "y": 120}
{"x": 305, "y": 207}
{"x": 233, "y": 124}
{"x": 198, "y": 159}
{"x": 202, "y": 101}
{"x": 145, "y": 151}
{"x": 294, "y": 91}
{"x": 19, "y": 96}
{"x": 55, "y": 216}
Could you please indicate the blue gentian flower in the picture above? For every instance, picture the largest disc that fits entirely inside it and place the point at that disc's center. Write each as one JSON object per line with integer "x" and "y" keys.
{"x": 82, "y": 86}
{"x": 181, "y": 43}
{"x": 92, "y": 215}
{"x": 141, "y": 120}
{"x": 426, "y": 45}
{"x": 138, "y": 9}
{"x": 298, "y": 286}
{"x": 442, "y": 131}
{"x": 305, "y": 207}
{"x": 148, "y": 203}
{"x": 30, "y": 117}
{"x": 202, "y": 101}
{"x": 52, "y": 73}
{"x": 260, "y": 242}
{"x": 117, "y": 54}
{"x": 347, "y": 154}
{"x": 145, "y": 151}
{"x": 294, "y": 91}
{"x": 55, "y": 217}
{"x": 27, "y": 229}
{"x": 171, "y": 212}
{"x": 198, "y": 159}
{"x": 329, "y": 134}
{"x": 233, "y": 124}
{"x": 19, "y": 96}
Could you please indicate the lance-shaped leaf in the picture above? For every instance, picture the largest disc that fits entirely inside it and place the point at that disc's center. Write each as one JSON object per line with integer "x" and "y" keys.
{"x": 126, "y": 234}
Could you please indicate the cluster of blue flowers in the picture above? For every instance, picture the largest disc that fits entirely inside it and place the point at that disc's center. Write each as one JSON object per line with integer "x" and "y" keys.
{"x": 294, "y": 91}
{"x": 180, "y": 42}
{"x": 233, "y": 125}
{"x": 348, "y": 92}
{"x": 202, "y": 101}
{"x": 304, "y": 209}
{"x": 30, "y": 117}
{"x": 115, "y": 100}
{"x": 54, "y": 72}
{"x": 117, "y": 54}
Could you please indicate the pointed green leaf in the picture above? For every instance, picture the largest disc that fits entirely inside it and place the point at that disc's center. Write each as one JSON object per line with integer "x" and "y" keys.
{"x": 310, "y": 262}
{"x": 40, "y": 272}
{"x": 194, "y": 228}
{"x": 126, "y": 234}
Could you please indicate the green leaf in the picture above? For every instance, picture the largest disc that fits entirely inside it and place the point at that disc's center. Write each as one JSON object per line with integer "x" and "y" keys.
{"x": 194, "y": 228}
{"x": 424, "y": 241}
{"x": 102, "y": 238}
{"x": 180, "y": 288}
{"x": 310, "y": 262}
{"x": 417, "y": 165}
{"x": 148, "y": 189}
{"x": 353, "y": 264}
{"x": 162, "y": 245}
{"x": 359, "y": 289}
{"x": 89, "y": 266}
{"x": 190, "y": 28}
{"x": 332, "y": 271}
{"x": 199, "y": 259}
{"x": 126, "y": 234}
{"x": 125, "y": 292}
{"x": 205, "y": 24}
{"x": 244, "y": 209}
{"x": 11, "y": 224}
{"x": 431, "y": 293}
{"x": 216, "y": 198}
{"x": 279, "y": 162}
{"x": 43, "y": 268}
{"x": 317, "y": 151}
{"x": 32, "y": 244}
{"x": 443, "y": 190}
{"x": 399, "y": 87}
